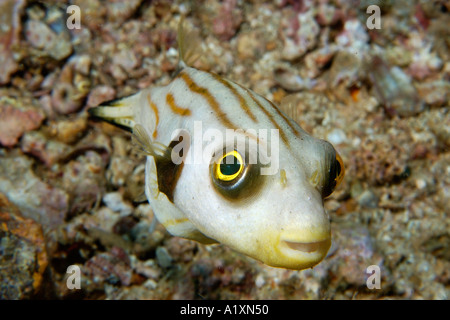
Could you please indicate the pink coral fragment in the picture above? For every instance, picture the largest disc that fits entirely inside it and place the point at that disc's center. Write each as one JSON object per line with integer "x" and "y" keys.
{"x": 15, "y": 122}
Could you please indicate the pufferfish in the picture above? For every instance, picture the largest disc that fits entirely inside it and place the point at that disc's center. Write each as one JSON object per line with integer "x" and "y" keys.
{"x": 276, "y": 216}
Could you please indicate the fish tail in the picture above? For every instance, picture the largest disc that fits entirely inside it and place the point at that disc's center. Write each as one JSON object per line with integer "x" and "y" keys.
{"x": 118, "y": 112}
{"x": 121, "y": 113}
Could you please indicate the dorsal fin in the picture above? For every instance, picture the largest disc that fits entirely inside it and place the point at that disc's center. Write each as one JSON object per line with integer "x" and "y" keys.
{"x": 288, "y": 104}
{"x": 189, "y": 45}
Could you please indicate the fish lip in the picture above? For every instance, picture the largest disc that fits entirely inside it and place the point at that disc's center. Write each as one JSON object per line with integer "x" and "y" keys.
{"x": 311, "y": 247}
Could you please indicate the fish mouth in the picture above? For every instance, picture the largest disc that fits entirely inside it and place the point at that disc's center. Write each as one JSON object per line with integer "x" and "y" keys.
{"x": 301, "y": 254}
{"x": 309, "y": 247}
{"x": 305, "y": 254}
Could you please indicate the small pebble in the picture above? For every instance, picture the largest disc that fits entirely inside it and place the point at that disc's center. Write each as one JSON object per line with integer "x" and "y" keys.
{"x": 163, "y": 257}
{"x": 368, "y": 199}
{"x": 115, "y": 202}
{"x": 336, "y": 136}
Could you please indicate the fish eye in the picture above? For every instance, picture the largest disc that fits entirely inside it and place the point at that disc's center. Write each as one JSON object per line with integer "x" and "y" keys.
{"x": 340, "y": 170}
{"x": 229, "y": 167}
{"x": 234, "y": 177}
{"x": 336, "y": 175}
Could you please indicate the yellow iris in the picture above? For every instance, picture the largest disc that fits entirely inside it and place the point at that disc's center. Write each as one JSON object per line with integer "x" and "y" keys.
{"x": 230, "y": 166}
{"x": 341, "y": 173}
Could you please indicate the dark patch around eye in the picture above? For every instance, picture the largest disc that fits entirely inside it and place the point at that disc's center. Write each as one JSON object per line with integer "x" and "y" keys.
{"x": 168, "y": 172}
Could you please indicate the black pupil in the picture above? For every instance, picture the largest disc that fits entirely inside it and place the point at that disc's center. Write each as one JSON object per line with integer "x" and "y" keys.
{"x": 338, "y": 169}
{"x": 230, "y": 165}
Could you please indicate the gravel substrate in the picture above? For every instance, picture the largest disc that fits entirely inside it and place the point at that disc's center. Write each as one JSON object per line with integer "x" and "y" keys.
{"x": 68, "y": 183}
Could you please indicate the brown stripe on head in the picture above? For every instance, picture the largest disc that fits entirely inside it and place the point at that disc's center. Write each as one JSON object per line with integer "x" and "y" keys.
{"x": 155, "y": 112}
{"x": 289, "y": 123}
{"x": 271, "y": 118}
{"x": 209, "y": 98}
{"x": 170, "y": 100}
{"x": 243, "y": 104}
